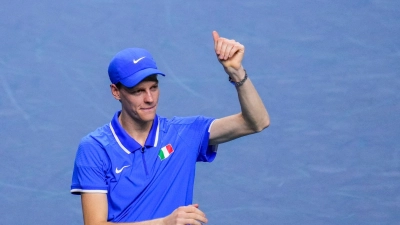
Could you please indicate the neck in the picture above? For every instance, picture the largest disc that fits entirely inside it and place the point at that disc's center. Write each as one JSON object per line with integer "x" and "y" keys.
{"x": 138, "y": 130}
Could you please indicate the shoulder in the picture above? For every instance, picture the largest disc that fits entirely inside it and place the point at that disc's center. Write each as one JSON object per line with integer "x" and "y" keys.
{"x": 99, "y": 136}
{"x": 176, "y": 120}
{"x": 196, "y": 124}
{"x": 92, "y": 146}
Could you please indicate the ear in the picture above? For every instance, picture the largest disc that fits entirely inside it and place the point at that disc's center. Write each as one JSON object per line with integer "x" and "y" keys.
{"x": 115, "y": 92}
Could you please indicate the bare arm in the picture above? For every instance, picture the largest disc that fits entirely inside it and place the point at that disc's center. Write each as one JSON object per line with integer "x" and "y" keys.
{"x": 253, "y": 116}
{"x": 95, "y": 210}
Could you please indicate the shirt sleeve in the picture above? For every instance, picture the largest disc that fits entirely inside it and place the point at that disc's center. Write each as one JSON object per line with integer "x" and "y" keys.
{"x": 90, "y": 168}
{"x": 207, "y": 152}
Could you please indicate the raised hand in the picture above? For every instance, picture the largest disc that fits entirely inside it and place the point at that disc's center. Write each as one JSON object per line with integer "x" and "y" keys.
{"x": 229, "y": 52}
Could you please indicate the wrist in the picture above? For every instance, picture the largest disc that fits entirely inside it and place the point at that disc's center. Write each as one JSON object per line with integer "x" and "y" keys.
{"x": 235, "y": 74}
{"x": 239, "y": 82}
{"x": 161, "y": 221}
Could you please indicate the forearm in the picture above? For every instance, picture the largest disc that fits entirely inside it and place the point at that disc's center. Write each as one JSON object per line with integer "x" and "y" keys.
{"x": 253, "y": 111}
{"x": 95, "y": 210}
{"x": 148, "y": 222}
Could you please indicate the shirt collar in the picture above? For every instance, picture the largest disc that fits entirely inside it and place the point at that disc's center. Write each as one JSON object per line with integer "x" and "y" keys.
{"x": 126, "y": 142}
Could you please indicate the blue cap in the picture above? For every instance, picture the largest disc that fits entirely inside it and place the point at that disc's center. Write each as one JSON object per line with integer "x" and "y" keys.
{"x": 132, "y": 65}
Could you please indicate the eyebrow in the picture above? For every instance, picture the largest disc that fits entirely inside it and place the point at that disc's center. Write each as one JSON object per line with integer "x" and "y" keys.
{"x": 136, "y": 88}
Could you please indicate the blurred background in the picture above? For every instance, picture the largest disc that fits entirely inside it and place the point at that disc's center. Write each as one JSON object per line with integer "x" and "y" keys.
{"x": 328, "y": 72}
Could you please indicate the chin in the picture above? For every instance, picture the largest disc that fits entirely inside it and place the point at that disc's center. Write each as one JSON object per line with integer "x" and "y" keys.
{"x": 148, "y": 117}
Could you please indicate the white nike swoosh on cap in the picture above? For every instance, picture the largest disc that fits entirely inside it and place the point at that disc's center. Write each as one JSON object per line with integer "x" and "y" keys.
{"x": 120, "y": 170}
{"x": 137, "y": 60}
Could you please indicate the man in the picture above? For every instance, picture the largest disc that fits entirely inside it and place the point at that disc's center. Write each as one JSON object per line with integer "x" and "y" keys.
{"x": 139, "y": 169}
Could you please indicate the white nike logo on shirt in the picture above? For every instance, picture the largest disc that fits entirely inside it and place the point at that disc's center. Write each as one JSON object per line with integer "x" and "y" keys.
{"x": 137, "y": 60}
{"x": 120, "y": 170}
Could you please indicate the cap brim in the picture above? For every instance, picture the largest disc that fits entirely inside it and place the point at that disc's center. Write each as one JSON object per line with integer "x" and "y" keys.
{"x": 135, "y": 79}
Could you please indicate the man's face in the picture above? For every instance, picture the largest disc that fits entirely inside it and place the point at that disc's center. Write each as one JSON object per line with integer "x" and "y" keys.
{"x": 140, "y": 102}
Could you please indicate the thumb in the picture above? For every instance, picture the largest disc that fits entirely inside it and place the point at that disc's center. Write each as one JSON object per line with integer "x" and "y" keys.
{"x": 215, "y": 36}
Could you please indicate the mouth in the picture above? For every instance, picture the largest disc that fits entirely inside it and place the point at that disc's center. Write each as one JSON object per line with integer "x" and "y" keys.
{"x": 149, "y": 108}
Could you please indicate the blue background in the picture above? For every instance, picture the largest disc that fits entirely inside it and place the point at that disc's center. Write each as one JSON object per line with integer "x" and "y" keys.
{"x": 328, "y": 72}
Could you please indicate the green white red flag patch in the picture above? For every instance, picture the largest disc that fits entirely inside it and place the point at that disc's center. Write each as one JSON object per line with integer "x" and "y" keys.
{"x": 165, "y": 152}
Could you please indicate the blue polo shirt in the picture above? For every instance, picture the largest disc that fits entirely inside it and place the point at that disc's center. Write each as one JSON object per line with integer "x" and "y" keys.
{"x": 143, "y": 182}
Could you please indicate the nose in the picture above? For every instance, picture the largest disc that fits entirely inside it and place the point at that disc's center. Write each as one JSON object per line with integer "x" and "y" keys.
{"x": 149, "y": 97}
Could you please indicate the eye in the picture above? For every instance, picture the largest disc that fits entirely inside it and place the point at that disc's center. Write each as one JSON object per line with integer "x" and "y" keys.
{"x": 154, "y": 87}
{"x": 136, "y": 92}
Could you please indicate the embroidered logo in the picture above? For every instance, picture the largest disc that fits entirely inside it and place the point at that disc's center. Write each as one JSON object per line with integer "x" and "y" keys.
{"x": 137, "y": 60}
{"x": 165, "y": 152}
{"x": 120, "y": 170}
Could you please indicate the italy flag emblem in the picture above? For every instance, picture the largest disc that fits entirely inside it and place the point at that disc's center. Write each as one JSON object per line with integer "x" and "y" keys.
{"x": 165, "y": 152}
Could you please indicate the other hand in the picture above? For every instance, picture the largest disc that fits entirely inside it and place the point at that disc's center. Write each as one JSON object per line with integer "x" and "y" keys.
{"x": 186, "y": 215}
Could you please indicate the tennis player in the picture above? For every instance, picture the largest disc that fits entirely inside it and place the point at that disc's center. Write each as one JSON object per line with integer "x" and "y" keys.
{"x": 140, "y": 168}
